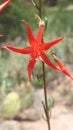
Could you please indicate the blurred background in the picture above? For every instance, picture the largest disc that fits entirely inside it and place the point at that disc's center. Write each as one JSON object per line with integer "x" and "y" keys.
{"x": 13, "y": 66}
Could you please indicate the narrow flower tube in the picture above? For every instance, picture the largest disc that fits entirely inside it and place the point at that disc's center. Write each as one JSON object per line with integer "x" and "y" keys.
{"x": 46, "y": 60}
{"x": 62, "y": 67}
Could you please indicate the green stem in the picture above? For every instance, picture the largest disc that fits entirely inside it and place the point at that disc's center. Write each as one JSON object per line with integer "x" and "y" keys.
{"x": 40, "y": 8}
{"x": 44, "y": 78}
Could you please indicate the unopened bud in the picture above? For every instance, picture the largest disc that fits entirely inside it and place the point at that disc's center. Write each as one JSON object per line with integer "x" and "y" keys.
{"x": 39, "y": 20}
{"x": 55, "y": 57}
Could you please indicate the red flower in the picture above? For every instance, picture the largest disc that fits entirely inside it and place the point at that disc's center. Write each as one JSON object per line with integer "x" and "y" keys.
{"x": 36, "y": 49}
{"x": 4, "y": 4}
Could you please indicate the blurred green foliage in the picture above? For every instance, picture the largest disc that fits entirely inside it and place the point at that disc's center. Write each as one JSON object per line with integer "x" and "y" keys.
{"x": 10, "y": 19}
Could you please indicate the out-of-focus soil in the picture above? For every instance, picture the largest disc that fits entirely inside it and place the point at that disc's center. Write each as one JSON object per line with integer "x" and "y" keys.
{"x": 61, "y": 114}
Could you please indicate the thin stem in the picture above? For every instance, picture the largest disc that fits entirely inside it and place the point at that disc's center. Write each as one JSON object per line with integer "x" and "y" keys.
{"x": 44, "y": 78}
{"x": 35, "y": 4}
{"x": 40, "y": 8}
{"x": 45, "y": 96}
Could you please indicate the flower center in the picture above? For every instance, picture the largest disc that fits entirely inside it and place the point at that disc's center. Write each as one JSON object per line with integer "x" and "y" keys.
{"x": 36, "y": 51}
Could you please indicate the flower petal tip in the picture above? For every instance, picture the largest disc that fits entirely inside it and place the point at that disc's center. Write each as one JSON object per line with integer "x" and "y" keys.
{"x": 72, "y": 77}
{"x": 4, "y": 4}
{"x": 30, "y": 79}
{"x": 1, "y": 35}
{"x": 62, "y": 37}
{"x": 23, "y": 20}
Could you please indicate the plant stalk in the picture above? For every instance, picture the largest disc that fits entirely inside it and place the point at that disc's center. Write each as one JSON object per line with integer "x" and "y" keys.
{"x": 44, "y": 78}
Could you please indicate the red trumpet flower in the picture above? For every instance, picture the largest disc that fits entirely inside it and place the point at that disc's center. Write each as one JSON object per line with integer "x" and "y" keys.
{"x": 4, "y": 4}
{"x": 36, "y": 49}
{"x": 62, "y": 67}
